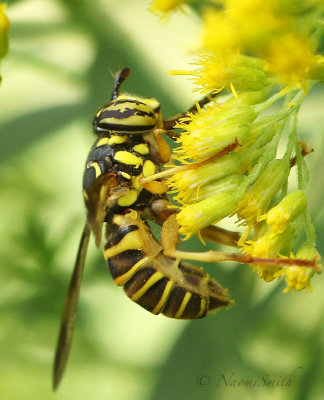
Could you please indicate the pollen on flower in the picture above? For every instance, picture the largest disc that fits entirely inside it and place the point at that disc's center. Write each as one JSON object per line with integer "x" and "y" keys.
{"x": 257, "y": 20}
{"x": 235, "y": 73}
{"x": 212, "y": 74}
{"x": 291, "y": 57}
{"x": 264, "y": 247}
{"x": 220, "y": 35}
{"x": 258, "y": 196}
{"x": 269, "y": 245}
{"x": 297, "y": 278}
{"x": 286, "y": 211}
{"x": 212, "y": 129}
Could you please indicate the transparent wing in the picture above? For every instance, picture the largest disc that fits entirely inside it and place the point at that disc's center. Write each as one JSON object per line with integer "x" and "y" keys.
{"x": 96, "y": 203}
{"x": 70, "y": 310}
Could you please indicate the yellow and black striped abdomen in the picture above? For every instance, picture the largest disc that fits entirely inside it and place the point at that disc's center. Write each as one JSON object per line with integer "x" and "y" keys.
{"x": 158, "y": 283}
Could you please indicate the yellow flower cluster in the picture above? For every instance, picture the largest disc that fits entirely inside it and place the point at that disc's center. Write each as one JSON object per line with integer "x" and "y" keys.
{"x": 298, "y": 278}
{"x": 278, "y": 34}
{"x": 276, "y": 31}
{"x": 269, "y": 245}
{"x": 214, "y": 128}
{"x": 287, "y": 210}
{"x": 252, "y": 54}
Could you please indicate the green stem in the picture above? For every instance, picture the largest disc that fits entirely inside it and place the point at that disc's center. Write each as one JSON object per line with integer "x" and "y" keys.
{"x": 259, "y": 108}
{"x": 310, "y": 229}
{"x": 303, "y": 177}
{"x": 292, "y": 137}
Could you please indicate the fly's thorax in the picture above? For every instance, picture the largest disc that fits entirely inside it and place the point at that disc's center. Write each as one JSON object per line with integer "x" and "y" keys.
{"x": 99, "y": 162}
{"x": 128, "y": 158}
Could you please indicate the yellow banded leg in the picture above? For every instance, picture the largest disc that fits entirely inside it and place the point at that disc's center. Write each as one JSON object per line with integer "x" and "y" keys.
{"x": 164, "y": 148}
{"x": 153, "y": 186}
{"x": 213, "y": 233}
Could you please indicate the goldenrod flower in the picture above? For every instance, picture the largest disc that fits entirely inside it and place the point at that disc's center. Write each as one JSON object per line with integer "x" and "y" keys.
{"x": 216, "y": 73}
{"x": 257, "y": 20}
{"x": 258, "y": 196}
{"x": 196, "y": 216}
{"x": 244, "y": 26}
{"x": 298, "y": 278}
{"x": 291, "y": 57}
{"x": 4, "y": 28}
{"x": 212, "y": 129}
{"x": 289, "y": 208}
{"x": 220, "y": 35}
{"x": 229, "y": 184}
{"x": 269, "y": 246}
{"x": 187, "y": 183}
{"x": 252, "y": 53}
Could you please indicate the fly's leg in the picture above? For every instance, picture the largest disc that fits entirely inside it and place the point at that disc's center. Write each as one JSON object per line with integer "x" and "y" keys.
{"x": 169, "y": 123}
{"x": 170, "y": 240}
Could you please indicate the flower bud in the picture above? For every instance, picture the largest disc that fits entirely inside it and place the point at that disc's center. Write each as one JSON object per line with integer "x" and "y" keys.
{"x": 196, "y": 216}
{"x": 187, "y": 182}
{"x": 289, "y": 208}
{"x": 269, "y": 246}
{"x": 258, "y": 196}
{"x": 230, "y": 184}
{"x": 298, "y": 278}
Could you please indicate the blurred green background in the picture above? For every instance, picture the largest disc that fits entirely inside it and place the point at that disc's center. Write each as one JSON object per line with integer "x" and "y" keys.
{"x": 56, "y": 75}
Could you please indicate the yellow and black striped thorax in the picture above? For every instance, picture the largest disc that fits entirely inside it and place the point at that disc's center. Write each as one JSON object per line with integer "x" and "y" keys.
{"x": 128, "y": 114}
{"x": 128, "y": 158}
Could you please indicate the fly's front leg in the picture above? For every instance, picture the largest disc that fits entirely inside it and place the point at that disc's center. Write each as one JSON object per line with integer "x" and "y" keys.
{"x": 169, "y": 123}
{"x": 163, "y": 147}
{"x": 170, "y": 241}
{"x": 164, "y": 155}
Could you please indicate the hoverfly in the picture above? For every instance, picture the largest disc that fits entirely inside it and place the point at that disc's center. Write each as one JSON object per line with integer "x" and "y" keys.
{"x": 128, "y": 148}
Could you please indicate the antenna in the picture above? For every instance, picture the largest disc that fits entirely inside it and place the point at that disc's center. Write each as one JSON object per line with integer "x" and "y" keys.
{"x": 119, "y": 79}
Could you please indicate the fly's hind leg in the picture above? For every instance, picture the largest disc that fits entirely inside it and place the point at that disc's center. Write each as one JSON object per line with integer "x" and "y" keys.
{"x": 163, "y": 147}
{"x": 170, "y": 240}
